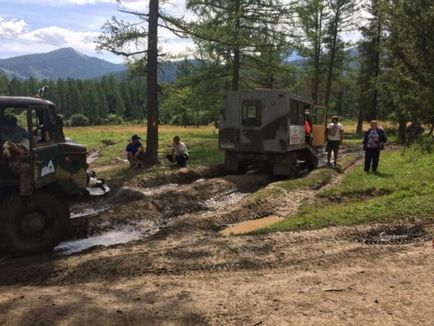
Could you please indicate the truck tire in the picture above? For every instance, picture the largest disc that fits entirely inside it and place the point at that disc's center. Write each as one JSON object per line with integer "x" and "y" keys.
{"x": 242, "y": 167}
{"x": 33, "y": 224}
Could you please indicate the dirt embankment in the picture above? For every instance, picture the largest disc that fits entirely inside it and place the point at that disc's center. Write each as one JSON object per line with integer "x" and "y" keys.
{"x": 184, "y": 273}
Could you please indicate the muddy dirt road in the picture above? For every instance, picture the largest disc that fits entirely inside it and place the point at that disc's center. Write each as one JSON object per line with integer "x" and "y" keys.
{"x": 174, "y": 268}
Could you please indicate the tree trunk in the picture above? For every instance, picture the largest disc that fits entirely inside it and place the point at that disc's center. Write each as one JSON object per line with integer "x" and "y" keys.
{"x": 359, "y": 127}
{"x": 317, "y": 55}
{"x": 152, "y": 84}
{"x": 377, "y": 69}
{"x": 402, "y": 130}
{"x": 332, "y": 57}
{"x": 236, "y": 62}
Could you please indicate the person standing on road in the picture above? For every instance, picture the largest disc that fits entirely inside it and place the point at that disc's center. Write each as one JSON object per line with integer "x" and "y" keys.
{"x": 373, "y": 143}
{"x": 179, "y": 152}
{"x": 334, "y": 134}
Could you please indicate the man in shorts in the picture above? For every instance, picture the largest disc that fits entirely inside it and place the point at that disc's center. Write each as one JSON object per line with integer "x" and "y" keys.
{"x": 335, "y": 134}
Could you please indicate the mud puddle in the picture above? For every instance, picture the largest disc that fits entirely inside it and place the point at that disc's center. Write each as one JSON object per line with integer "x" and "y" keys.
{"x": 223, "y": 200}
{"x": 391, "y": 234}
{"x": 250, "y": 226}
{"x": 122, "y": 235}
{"x": 100, "y": 223}
{"x": 88, "y": 209}
{"x": 105, "y": 239}
{"x": 158, "y": 190}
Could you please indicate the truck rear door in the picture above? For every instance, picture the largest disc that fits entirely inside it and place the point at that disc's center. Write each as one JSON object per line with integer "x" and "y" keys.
{"x": 251, "y": 122}
{"x": 318, "y": 125}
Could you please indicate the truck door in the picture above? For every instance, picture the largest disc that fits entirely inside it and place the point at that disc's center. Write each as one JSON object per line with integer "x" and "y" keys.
{"x": 251, "y": 122}
{"x": 296, "y": 123}
{"x": 45, "y": 151}
{"x": 319, "y": 125}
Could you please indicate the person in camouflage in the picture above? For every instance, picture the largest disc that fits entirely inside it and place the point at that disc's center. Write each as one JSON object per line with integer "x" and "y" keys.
{"x": 15, "y": 149}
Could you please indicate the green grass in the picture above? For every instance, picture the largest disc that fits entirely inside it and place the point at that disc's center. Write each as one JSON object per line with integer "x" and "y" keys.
{"x": 315, "y": 179}
{"x": 403, "y": 189}
{"x": 201, "y": 143}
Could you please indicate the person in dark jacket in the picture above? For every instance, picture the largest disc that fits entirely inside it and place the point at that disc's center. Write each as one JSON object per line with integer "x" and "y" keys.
{"x": 373, "y": 143}
{"x": 132, "y": 150}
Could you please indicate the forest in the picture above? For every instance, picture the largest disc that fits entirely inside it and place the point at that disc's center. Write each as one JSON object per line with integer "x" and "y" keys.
{"x": 387, "y": 73}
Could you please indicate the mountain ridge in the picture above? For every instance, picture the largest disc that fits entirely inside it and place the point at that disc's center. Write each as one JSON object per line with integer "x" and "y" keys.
{"x": 58, "y": 64}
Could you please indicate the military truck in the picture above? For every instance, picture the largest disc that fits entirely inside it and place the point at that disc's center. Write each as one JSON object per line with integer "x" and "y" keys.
{"x": 266, "y": 128}
{"x": 58, "y": 169}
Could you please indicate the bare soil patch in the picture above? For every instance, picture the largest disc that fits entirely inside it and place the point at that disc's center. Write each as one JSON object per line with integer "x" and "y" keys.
{"x": 180, "y": 271}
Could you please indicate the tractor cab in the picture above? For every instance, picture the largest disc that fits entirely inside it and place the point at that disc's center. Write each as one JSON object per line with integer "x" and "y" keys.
{"x": 39, "y": 128}
{"x": 39, "y": 172}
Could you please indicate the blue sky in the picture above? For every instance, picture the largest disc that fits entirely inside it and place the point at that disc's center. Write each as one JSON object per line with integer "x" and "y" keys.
{"x": 37, "y": 26}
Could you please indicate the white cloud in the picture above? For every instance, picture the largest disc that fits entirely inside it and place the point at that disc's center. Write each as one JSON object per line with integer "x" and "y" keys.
{"x": 85, "y": 2}
{"x": 12, "y": 27}
{"x": 176, "y": 48}
{"x": 61, "y": 37}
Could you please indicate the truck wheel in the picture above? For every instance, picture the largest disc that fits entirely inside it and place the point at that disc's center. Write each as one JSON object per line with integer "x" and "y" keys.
{"x": 32, "y": 224}
{"x": 243, "y": 167}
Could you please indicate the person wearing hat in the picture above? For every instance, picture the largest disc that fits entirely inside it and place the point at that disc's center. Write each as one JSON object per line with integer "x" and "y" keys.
{"x": 12, "y": 132}
{"x": 133, "y": 149}
{"x": 334, "y": 134}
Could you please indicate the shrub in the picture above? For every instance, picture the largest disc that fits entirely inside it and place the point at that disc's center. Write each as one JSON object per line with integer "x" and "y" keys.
{"x": 78, "y": 120}
{"x": 113, "y": 119}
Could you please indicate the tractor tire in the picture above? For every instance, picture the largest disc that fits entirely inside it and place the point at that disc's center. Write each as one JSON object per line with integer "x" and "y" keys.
{"x": 30, "y": 225}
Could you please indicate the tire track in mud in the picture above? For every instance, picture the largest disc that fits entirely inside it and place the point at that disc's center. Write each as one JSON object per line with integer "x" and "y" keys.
{"x": 150, "y": 209}
{"x": 161, "y": 205}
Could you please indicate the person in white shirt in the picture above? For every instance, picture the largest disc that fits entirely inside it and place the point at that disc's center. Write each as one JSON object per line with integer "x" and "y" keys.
{"x": 179, "y": 152}
{"x": 335, "y": 134}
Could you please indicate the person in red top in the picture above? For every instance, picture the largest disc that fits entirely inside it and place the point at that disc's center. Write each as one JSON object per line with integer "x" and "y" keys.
{"x": 307, "y": 129}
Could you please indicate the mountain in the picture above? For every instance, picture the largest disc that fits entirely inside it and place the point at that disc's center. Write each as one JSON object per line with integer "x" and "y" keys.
{"x": 62, "y": 63}
{"x": 299, "y": 61}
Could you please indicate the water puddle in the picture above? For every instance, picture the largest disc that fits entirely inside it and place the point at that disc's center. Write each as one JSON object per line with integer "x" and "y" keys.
{"x": 223, "y": 200}
{"x": 250, "y": 226}
{"x": 88, "y": 209}
{"x": 106, "y": 239}
{"x": 158, "y": 190}
{"x": 93, "y": 156}
{"x": 391, "y": 234}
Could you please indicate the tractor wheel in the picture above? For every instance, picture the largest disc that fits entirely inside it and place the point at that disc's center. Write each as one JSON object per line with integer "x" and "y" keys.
{"x": 33, "y": 224}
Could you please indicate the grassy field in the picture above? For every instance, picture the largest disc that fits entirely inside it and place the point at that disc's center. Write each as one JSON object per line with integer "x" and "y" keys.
{"x": 402, "y": 190}
{"x": 201, "y": 142}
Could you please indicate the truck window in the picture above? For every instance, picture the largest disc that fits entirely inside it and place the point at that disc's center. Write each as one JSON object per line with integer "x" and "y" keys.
{"x": 41, "y": 127}
{"x": 21, "y": 122}
{"x": 296, "y": 113}
{"x": 251, "y": 113}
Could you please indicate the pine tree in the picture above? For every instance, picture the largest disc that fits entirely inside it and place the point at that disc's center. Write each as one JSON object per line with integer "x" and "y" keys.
{"x": 312, "y": 22}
